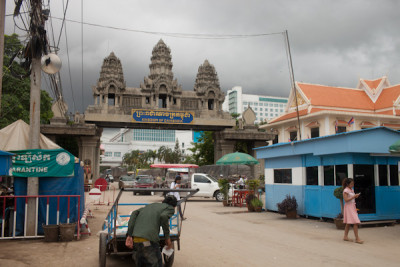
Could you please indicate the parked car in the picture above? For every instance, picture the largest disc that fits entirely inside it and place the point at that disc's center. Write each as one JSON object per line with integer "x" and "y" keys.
{"x": 126, "y": 181}
{"x": 109, "y": 178}
{"x": 144, "y": 181}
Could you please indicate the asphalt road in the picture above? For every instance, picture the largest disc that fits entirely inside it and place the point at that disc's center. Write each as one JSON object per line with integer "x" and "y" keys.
{"x": 214, "y": 235}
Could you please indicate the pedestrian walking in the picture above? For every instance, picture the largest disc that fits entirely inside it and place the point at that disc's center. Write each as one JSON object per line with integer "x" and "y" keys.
{"x": 176, "y": 184}
{"x": 350, "y": 216}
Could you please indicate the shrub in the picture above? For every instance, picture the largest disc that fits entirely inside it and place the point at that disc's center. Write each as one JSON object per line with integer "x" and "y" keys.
{"x": 255, "y": 202}
{"x": 249, "y": 198}
{"x": 253, "y": 184}
{"x": 338, "y": 192}
{"x": 224, "y": 187}
{"x": 289, "y": 203}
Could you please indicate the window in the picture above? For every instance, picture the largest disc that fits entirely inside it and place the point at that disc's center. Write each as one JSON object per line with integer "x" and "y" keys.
{"x": 183, "y": 145}
{"x": 255, "y": 104}
{"x": 276, "y": 110}
{"x": 108, "y": 154}
{"x": 341, "y": 173}
{"x": 283, "y": 176}
{"x": 293, "y": 136}
{"x": 162, "y": 101}
{"x": 314, "y": 132}
{"x": 275, "y": 141}
{"x": 261, "y": 109}
{"x": 341, "y": 129}
{"x": 117, "y": 154}
{"x": 210, "y": 104}
{"x": 147, "y": 100}
{"x": 174, "y": 101}
{"x": 255, "y": 108}
{"x": 200, "y": 179}
{"x": 334, "y": 174}
{"x": 383, "y": 175}
{"x": 245, "y": 103}
{"x": 271, "y": 110}
{"x": 281, "y": 110}
{"x": 312, "y": 175}
{"x": 394, "y": 175}
{"x": 275, "y": 105}
{"x": 329, "y": 175}
{"x": 154, "y": 135}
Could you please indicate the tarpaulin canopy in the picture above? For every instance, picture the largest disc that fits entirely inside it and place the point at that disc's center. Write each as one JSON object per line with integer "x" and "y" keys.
{"x": 5, "y": 162}
{"x": 16, "y": 137}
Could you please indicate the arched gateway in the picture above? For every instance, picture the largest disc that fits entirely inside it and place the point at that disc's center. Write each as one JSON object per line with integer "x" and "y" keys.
{"x": 159, "y": 102}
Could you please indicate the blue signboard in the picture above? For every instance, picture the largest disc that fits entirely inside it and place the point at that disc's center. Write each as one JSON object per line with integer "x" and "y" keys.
{"x": 158, "y": 116}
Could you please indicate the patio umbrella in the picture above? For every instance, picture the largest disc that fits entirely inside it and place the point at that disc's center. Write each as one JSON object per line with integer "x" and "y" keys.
{"x": 237, "y": 158}
{"x": 395, "y": 148}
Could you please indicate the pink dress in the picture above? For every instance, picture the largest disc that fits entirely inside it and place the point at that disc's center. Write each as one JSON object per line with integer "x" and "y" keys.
{"x": 350, "y": 215}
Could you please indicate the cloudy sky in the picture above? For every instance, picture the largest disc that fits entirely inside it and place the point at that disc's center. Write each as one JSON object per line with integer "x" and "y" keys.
{"x": 332, "y": 42}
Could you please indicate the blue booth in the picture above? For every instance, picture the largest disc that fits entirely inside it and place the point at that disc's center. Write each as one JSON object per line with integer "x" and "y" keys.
{"x": 311, "y": 169}
{"x": 5, "y": 162}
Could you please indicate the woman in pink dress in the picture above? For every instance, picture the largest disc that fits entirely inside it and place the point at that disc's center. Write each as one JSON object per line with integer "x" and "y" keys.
{"x": 350, "y": 215}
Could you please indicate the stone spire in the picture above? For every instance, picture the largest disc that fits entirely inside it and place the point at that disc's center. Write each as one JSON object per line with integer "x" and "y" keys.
{"x": 161, "y": 63}
{"x": 111, "y": 72}
{"x": 206, "y": 77}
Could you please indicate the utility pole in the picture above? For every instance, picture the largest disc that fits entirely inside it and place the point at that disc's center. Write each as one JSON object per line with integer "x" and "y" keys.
{"x": 37, "y": 44}
{"x": 2, "y": 25}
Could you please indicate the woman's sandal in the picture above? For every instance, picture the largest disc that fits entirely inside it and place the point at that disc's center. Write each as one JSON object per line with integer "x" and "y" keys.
{"x": 360, "y": 241}
{"x": 348, "y": 239}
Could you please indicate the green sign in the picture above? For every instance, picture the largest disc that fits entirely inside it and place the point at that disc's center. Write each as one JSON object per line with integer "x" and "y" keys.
{"x": 272, "y": 100}
{"x": 42, "y": 163}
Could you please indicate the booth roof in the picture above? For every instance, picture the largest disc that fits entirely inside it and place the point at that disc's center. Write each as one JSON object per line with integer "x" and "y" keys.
{"x": 371, "y": 140}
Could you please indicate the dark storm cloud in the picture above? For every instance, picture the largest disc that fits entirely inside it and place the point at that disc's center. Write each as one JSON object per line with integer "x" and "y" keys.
{"x": 332, "y": 42}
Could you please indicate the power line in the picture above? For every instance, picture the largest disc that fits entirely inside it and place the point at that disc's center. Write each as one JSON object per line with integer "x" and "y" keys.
{"x": 69, "y": 66}
{"x": 176, "y": 35}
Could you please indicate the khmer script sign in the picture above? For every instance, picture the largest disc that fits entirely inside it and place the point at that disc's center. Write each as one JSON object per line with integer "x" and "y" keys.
{"x": 158, "y": 116}
{"x": 43, "y": 163}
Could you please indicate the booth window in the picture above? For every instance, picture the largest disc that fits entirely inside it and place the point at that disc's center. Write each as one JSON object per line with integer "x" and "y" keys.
{"x": 283, "y": 176}
{"x": 340, "y": 173}
{"x": 275, "y": 140}
{"x": 312, "y": 175}
{"x": 329, "y": 175}
{"x": 383, "y": 175}
{"x": 394, "y": 175}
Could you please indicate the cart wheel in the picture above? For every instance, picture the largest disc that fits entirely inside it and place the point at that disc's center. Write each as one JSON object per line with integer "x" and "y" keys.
{"x": 169, "y": 261}
{"x": 102, "y": 249}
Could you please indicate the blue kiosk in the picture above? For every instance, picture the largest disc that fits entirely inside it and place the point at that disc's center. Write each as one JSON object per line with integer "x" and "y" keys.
{"x": 311, "y": 169}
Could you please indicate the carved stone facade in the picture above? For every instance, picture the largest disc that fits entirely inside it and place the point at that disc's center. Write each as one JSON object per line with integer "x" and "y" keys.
{"x": 159, "y": 90}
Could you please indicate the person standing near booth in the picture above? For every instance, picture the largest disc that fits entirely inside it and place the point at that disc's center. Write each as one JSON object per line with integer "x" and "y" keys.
{"x": 176, "y": 184}
{"x": 350, "y": 216}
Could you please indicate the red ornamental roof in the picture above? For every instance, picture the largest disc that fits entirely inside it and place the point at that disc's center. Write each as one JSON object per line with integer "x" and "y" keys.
{"x": 174, "y": 165}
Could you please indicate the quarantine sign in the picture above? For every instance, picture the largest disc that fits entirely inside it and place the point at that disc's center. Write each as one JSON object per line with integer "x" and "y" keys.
{"x": 42, "y": 163}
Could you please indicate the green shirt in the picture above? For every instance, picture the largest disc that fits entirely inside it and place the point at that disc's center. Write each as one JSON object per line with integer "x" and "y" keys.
{"x": 146, "y": 222}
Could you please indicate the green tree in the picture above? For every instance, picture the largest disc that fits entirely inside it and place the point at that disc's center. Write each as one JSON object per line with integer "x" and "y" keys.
{"x": 203, "y": 150}
{"x": 15, "y": 102}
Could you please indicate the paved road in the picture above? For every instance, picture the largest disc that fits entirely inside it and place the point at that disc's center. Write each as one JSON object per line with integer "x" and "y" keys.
{"x": 215, "y": 235}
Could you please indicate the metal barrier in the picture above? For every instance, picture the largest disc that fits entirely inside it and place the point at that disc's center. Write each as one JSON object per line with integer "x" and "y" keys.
{"x": 48, "y": 197}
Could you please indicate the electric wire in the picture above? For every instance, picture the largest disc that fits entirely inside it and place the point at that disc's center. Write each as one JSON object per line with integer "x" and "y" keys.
{"x": 63, "y": 21}
{"x": 69, "y": 66}
{"x": 177, "y": 35}
{"x": 83, "y": 110}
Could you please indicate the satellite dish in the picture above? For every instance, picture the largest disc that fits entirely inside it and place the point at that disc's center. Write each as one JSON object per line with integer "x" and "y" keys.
{"x": 51, "y": 63}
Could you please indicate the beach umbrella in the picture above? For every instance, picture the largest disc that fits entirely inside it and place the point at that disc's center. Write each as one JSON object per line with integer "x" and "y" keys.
{"x": 237, "y": 158}
{"x": 395, "y": 148}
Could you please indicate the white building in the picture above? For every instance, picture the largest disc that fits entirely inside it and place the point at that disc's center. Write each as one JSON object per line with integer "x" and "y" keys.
{"x": 265, "y": 107}
{"x": 125, "y": 140}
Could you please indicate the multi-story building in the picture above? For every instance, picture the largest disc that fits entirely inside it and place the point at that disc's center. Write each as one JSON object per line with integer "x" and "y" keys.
{"x": 265, "y": 107}
{"x": 326, "y": 110}
{"x": 127, "y": 140}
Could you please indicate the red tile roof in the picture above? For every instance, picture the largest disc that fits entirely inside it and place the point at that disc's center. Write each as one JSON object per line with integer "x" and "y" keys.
{"x": 328, "y": 96}
{"x": 373, "y": 84}
{"x": 387, "y": 97}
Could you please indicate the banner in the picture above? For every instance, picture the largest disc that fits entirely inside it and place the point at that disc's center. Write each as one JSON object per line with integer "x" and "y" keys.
{"x": 157, "y": 116}
{"x": 42, "y": 163}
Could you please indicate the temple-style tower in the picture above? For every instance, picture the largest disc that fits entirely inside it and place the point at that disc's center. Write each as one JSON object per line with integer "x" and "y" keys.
{"x": 160, "y": 88}
{"x": 207, "y": 87}
{"x": 111, "y": 84}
